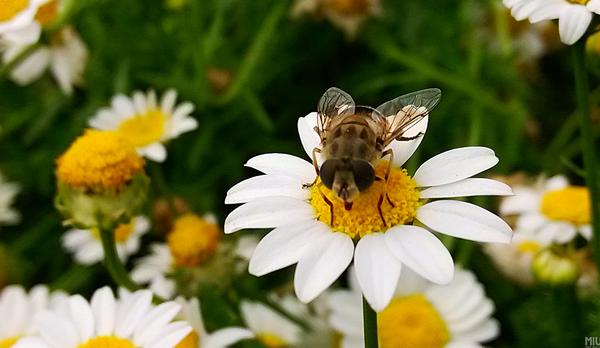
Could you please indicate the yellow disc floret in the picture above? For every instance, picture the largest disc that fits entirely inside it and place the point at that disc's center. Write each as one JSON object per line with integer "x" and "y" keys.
{"x": 11, "y": 8}
{"x": 529, "y": 247}
{"x": 364, "y": 216}
{"x": 271, "y": 340}
{"x": 193, "y": 240}
{"x": 412, "y": 322}
{"x": 8, "y": 342}
{"x": 46, "y": 14}
{"x": 107, "y": 342}
{"x": 571, "y": 204}
{"x": 99, "y": 160}
{"x": 192, "y": 340}
{"x": 144, "y": 129}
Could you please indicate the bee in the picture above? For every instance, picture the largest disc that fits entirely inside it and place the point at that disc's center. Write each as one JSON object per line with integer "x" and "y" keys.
{"x": 354, "y": 138}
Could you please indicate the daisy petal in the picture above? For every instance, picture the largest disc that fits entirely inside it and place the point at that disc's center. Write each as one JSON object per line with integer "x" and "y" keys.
{"x": 377, "y": 270}
{"x": 268, "y": 213}
{"x": 155, "y": 152}
{"x": 172, "y": 334}
{"x": 81, "y": 313}
{"x": 403, "y": 150}
{"x": 464, "y": 220}
{"x": 283, "y": 164}
{"x": 468, "y": 187}
{"x": 321, "y": 266}
{"x": 422, "y": 252}
{"x": 226, "y": 337}
{"x": 455, "y": 165}
{"x": 56, "y": 330}
{"x": 266, "y": 186}
{"x": 573, "y": 22}
{"x": 308, "y": 136}
{"x": 594, "y": 6}
{"x": 104, "y": 307}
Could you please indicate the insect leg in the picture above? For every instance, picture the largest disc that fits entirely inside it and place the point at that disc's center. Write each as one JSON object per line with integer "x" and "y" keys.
{"x": 379, "y": 203}
{"x": 316, "y": 165}
{"x": 329, "y": 203}
{"x": 420, "y": 134}
{"x": 389, "y": 153}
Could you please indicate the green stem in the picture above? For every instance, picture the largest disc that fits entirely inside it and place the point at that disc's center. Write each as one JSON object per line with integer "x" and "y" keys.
{"x": 370, "y": 325}
{"x": 113, "y": 263}
{"x": 587, "y": 141}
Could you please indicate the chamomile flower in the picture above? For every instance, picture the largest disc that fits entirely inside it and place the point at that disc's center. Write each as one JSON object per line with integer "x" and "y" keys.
{"x": 20, "y": 306}
{"x": 86, "y": 245}
{"x": 421, "y": 314}
{"x": 17, "y": 14}
{"x": 304, "y": 233}
{"x": 145, "y": 122}
{"x": 45, "y": 15}
{"x": 199, "y": 337}
{"x": 551, "y": 208}
{"x": 125, "y": 322}
{"x": 8, "y": 191}
{"x": 270, "y": 327}
{"x": 574, "y": 16}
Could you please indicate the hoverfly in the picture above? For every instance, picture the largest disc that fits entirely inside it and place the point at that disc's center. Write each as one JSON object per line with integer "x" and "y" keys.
{"x": 354, "y": 138}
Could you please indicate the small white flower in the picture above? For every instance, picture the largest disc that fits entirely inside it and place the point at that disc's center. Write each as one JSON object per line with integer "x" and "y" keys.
{"x": 303, "y": 233}
{"x": 155, "y": 269}
{"x": 20, "y": 307}
{"x": 574, "y": 16}
{"x": 421, "y": 314}
{"x": 8, "y": 191}
{"x": 128, "y": 321}
{"x": 270, "y": 327}
{"x": 18, "y": 14}
{"x": 145, "y": 122}
{"x": 199, "y": 337}
{"x": 552, "y": 209}
{"x": 87, "y": 246}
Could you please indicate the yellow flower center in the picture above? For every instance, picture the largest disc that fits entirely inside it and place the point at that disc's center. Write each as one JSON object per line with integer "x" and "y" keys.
{"x": 11, "y": 8}
{"x": 193, "y": 240}
{"x": 8, "y": 342}
{"x": 579, "y": 2}
{"x": 349, "y": 7}
{"x": 107, "y": 342}
{"x": 99, "y": 159}
{"x": 570, "y": 204}
{"x": 364, "y": 216}
{"x": 411, "y": 322}
{"x": 192, "y": 340}
{"x": 47, "y": 13}
{"x": 271, "y": 340}
{"x": 145, "y": 129}
{"x": 529, "y": 247}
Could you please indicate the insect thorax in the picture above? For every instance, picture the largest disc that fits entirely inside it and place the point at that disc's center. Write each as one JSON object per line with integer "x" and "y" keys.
{"x": 352, "y": 138}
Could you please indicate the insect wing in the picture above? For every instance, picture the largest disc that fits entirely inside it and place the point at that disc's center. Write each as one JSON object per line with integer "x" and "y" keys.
{"x": 334, "y": 102}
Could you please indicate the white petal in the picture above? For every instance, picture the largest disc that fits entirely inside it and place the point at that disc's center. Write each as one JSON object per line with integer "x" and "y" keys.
{"x": 81, "y": 313}
{"x": 171, "y": 335}
{"x": 573, "y": 22}
{"x": 455, "y": 165}
{"x": 556, "y": 182}
{"x": 266, "y": 186}
{"x": 283, "y": 164}
{"x": 524, "y": 200}
{"x": 226, "y": 337}
{"x": 594, "y": 6}
{"x": 468, "y": 187}
{"x": 268, "y": 213}
{"x": 123, "y": 106}
{"x": 182, "y": 126}
{"x": 403, "y": 150}
{"x": 586, "y": 231}
{"x": 422, "y": 252}
{"x": 464, "y": 220}
{"x": 168, "y": 101}
{"x": 284, "y": 246}
{"x": 155, "y": 152}
{"x": 31, "y": 342}
{"x": 308, "y": 136}
{"x": 155, "y": 320}
{"x": 32, "y": 67}
{"x": 377, "y": 270}
{"x": 551, "y": 9}
{"x": 104, "y": 307}
{"x": 321, "y": 266}
{"x": 132, "y": 311}
{"x": 56, "y": 330}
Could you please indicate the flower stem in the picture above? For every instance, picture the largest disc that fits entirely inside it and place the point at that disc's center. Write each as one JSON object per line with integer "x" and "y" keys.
{"x": 370, "y": 325}
{"x": 113, "y": 263}
{"x": 587, "y": 141}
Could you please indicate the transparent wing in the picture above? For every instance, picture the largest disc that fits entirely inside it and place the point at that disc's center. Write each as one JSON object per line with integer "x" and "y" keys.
{"x": 334, "y": 102}
{"x": 406, "y": 111}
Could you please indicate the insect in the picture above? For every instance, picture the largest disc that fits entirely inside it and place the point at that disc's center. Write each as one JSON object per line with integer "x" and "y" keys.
{"x": 354, "y": 138}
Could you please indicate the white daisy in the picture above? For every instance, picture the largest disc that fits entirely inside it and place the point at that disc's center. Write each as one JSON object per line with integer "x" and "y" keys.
{"x": 574, "y": 16}
{"x": 270, "y": 327}
{"x": 8, "y": 191}
{"x": 87, "y": 246}
{"x": 20, "y": 306}
{"x": 199, "y": 337}
{"x": 421, "y": 314}
{"x": 125, "y": 322}
{"x": 45, "y": 15}
{"x": 147, "y": 124}
{"x": 303, "y": 233}
{"x": 551, "y": 208}
{"x": 17, "y": 14}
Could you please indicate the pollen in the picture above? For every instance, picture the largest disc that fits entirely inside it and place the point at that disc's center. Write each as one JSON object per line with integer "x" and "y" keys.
{"x": 8, "y": 342}
{"x": 412, "y": 322}
{"x": 271, "y": 340}
{"x": 144, "y": 129}
{"x": 364, "y": 218}
{"x": 47, "y": 13}
{"x": 192, "y": 340}
{"x": 107, "y": 342}
{"x": 11, "y": 8}
{"x": 193, "y": 240}
{"x": 571, "y": 204}
{"x": 99, "y": 160}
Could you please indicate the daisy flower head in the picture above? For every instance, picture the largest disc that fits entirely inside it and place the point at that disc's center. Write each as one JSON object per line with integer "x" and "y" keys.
{"x": 269, "y": 327}
{"x": 86, "y": 246}
{"x": 21, "y": 306}
{"x": 17, "y": 14}
{"x": 421, "y": 314}
{"x": 145, "y": 122}
{"x": 8, "y": 192}
{"x": 128, "y": 321}
{"x": 574, "y": 16}
{"x": 551, "y": 208}
{"x": 199, "y": 337}
{"x": 318, "y": 230}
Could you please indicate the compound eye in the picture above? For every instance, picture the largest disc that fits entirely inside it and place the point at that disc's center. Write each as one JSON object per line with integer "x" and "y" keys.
{"x": 364, "y": 174}
{"x": 327, "y": 172}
